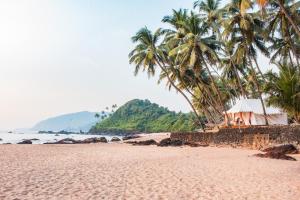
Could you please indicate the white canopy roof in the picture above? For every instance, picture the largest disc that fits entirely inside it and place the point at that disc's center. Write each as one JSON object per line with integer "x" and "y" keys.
{"x": 254, "y": 106}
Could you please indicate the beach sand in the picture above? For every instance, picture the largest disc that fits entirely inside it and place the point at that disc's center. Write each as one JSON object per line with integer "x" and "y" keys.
{"x": 122, "y": 171}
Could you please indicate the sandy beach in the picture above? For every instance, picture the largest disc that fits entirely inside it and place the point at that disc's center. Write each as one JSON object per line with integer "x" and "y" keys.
{"x": 122, "y": 171}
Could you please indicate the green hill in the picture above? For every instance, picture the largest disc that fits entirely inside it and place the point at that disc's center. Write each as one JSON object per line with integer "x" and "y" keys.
{"x": 144, "y": 116}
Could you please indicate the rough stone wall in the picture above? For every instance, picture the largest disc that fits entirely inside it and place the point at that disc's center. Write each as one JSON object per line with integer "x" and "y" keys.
{"x": 236, "y": 136}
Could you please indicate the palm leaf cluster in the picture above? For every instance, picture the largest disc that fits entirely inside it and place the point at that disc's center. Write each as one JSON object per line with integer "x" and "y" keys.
{"x": 210, "y": 54}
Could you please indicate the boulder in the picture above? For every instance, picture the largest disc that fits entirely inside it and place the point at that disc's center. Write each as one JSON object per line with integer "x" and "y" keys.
{"x": 275, "y": 155}
{"x": 168, "y": 142}
{"x": 94, "y": 140}
{"x": 0, "y": 139}
{"x": 64, "y": 141}
{"x": 103, "y": 140}
{"x": 143, "y": 143}
{"x": 115, "y": 139}
{"x": 25, "y": 142}
{"x": 283, "y": 149}
{"x": 176, "y": 143}
{"x": 34, "y": 139}
{"x": 130, "y": 137}
{"x": 86, "y": 141}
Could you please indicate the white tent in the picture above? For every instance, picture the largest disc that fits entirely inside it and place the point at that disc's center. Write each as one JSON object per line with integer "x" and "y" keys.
{"x": 250, "y": 112}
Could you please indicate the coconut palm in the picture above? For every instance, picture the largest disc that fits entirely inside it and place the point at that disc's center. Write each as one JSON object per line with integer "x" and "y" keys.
{"x": 284, "y": 89}
{"x": 211, "y": 14}
{"x": 244, "y": 31}
{"x": 283, "y": 6}
{"x": 281, "y": 33}
{"x": 147, "y": 55}
{"x": 195, "y": 50}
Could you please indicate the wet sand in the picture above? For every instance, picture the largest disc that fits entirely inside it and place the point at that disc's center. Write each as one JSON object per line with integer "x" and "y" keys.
{"x": 122, "y": 171}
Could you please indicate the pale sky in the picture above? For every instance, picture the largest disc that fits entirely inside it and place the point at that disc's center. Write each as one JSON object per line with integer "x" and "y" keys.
{"x": 62, "y": 56}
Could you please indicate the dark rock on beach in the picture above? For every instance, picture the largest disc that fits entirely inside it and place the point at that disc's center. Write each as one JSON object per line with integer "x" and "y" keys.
{"x": 168, "y": 142}
{"x": 176, "y": 143}
{"x": 275, "y": 155}
{"x": 283, "y": 149}
{"x": 143, "y": 143}
{"x": 34, "y": 139}
{"x": 0, "y": 139}
{"x": 130, "y": 137}
{"x": 25, "y": 142}
{"x": 86, "y": 141}
{"x": 115, "y": 139}
{"x": 279, "y": 152}
{"x": 94, "y": 140}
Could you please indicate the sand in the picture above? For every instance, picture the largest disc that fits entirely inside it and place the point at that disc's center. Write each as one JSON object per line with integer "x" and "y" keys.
{"x": 122, "y": 171}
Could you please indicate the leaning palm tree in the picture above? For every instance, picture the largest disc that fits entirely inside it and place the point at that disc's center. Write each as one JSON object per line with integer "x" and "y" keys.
{"x": 147, "y": 55}
{"x": 195, "y": 50}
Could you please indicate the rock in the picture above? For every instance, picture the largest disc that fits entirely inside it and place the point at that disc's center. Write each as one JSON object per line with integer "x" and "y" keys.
{"x": 168, "y": 142}
{"x": 275, "y": 155}
{"x": 34, "y": 139}
{"x": 7, "y": 143}
{"x": 130, "y": 137}
{"x": 176, "y": 143}
{"x": 283, "y": 149}
{"x": 115, "y": 139}
{"x": 56, "y": 135}
{"x": 25, "y": 142}
{"x": 0, "y": 139}
{"x": 94, "y": 140}
{"x": 143, "y": 143}
{"x": 103, "y": 140}
{"x": 86, "y": 141}
{"x": 64, "y": 141}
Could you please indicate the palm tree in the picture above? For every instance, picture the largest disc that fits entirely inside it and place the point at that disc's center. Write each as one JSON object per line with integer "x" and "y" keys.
{"x": 284, "y": 89}
{"x": 244, "y": 30}
{"x": 97, "y": 115}
{"x": 283, "y": 5}
{"x": 210, "y": 13}
{"x": 147, "y": 55}
{"x": 194, "y": 49}
{"x": 278, "y": 24}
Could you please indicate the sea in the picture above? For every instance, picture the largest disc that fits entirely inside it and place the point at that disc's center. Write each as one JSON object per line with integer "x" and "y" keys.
{"x": 37, "y": 138}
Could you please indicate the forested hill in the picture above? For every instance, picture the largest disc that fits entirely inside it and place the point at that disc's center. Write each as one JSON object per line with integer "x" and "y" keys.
{"x": 144, "y": 116}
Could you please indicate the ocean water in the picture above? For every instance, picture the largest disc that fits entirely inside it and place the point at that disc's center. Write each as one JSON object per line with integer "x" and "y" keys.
{"x": 14, "y": 138}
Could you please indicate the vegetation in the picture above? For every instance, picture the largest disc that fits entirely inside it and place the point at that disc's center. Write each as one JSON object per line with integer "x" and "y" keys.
{"x": 144, "y": 116}
{"x": 209, "y": 55}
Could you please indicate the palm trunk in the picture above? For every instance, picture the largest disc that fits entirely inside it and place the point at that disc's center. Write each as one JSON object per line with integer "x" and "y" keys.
{"x": 205, "y": 110}
{"x": 257, "y": 66}
{"x": 295, "y": 27}
{"x": 236, "y": 74}
{"x": 182, "y": 93}
{"x": 259, "y": 92}
{"x": 239, "y": 80}
{"x": 214, "y": 102}
{"x": 215, "y": 87}
{"x": 293, "y": 50}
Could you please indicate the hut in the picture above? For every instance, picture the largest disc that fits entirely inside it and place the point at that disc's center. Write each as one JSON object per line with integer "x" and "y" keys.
{"x": 247, "y": 112}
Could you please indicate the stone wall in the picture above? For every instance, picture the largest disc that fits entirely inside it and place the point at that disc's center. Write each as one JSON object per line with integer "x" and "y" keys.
{"x": 250, "y": 136}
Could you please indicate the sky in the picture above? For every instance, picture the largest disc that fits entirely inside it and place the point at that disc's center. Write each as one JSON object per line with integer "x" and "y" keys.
{"x": 63, "y": 56}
